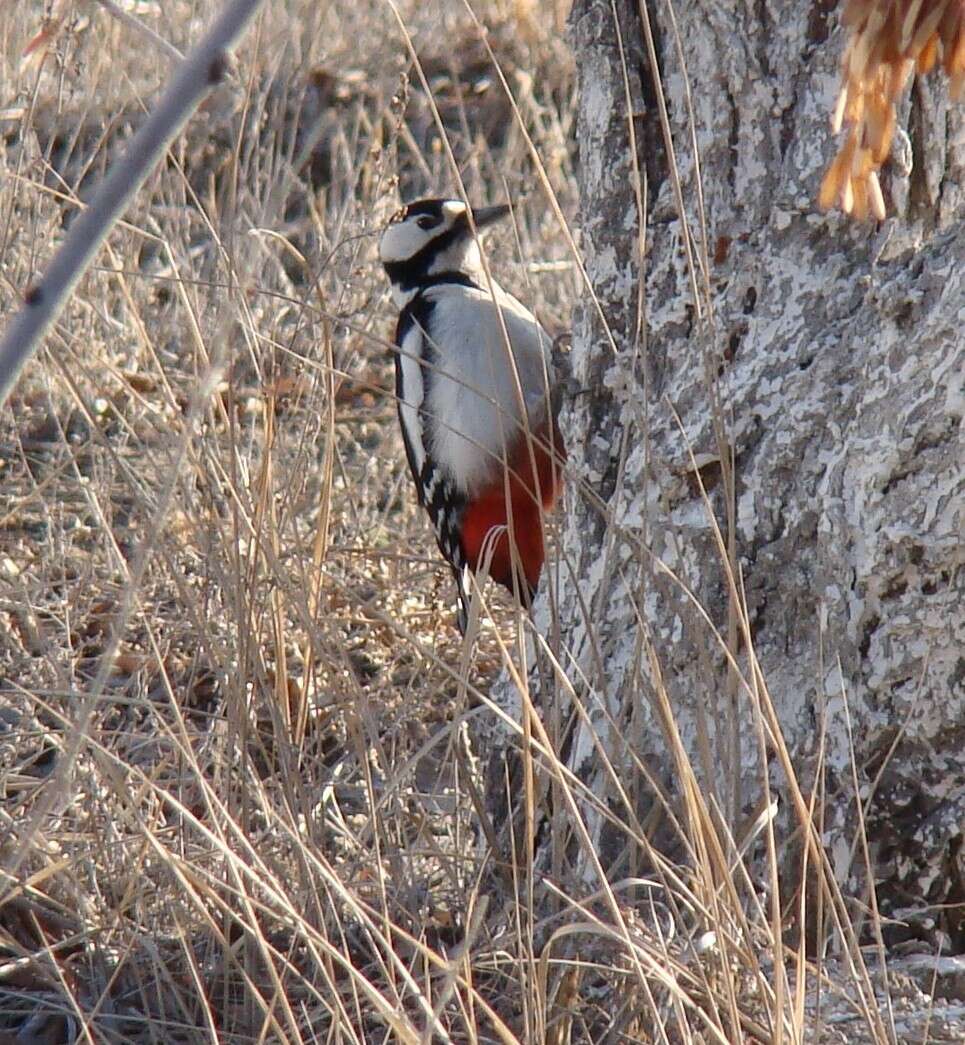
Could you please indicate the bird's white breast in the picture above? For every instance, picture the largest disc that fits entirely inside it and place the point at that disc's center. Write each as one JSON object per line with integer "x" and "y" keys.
{"x": 482, "y": 396}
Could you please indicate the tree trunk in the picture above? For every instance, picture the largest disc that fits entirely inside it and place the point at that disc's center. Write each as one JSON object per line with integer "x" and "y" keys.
{"x": 806, "y": 372}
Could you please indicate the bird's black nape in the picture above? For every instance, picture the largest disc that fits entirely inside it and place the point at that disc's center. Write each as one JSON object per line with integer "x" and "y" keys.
{"x": 433, "y": 208}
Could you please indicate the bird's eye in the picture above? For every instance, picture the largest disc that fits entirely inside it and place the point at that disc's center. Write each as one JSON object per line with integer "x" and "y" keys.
{"x": 426, "y": 222}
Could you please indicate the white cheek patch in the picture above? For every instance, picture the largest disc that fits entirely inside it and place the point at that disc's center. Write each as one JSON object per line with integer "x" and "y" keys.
{"x": 453, "y": 209}
{"x": 401, "y": 241}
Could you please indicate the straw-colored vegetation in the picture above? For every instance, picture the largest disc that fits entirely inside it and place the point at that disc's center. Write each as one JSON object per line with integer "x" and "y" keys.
{"x": 240, "y": 798}
{"x": 888, "y": 40}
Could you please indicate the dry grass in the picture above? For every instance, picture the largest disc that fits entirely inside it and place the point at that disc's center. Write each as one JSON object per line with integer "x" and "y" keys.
{"x": 239, "y": 794}
{"x": 888, "y": 40}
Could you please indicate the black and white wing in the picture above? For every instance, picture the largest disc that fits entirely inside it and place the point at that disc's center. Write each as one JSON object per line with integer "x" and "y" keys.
{"x": 415, "y": 364}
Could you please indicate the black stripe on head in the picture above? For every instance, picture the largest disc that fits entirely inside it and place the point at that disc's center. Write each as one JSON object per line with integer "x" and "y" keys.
{"x": 409, "y": 272}
{"x": 414, "y": 271}
{"x": 433, "y": 208}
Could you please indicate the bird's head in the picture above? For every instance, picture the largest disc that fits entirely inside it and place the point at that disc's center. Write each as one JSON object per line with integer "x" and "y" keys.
{"x": 431, "y": 237}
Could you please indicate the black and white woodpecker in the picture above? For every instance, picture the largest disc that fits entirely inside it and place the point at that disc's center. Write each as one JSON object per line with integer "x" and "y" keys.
{"x": 475, "y": 392}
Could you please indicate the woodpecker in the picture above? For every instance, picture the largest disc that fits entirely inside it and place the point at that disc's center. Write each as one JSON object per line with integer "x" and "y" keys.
{"x": 475, "y": 393}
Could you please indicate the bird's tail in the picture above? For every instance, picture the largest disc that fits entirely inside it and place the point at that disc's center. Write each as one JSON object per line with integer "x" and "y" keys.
{"x": 463, "y": 578}
{"x": 525, "y": 593}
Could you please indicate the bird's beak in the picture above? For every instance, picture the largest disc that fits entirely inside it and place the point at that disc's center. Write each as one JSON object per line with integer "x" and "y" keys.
{"x": 483, "y": 216}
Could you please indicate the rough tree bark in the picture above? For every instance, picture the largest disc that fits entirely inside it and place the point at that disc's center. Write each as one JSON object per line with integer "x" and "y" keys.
{"x": 822, "y": 361}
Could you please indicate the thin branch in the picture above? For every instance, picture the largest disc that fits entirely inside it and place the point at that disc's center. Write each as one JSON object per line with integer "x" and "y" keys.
{"x": 204, "y": 67}
{"x": 145, "y": 30}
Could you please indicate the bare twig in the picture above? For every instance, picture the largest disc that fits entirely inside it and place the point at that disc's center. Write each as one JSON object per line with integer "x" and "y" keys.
{"x": 145, "y": 30}
{"x": 203, "y": 68}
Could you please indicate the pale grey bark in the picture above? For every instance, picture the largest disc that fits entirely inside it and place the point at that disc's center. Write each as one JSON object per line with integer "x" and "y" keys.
{"x": 827, "y": 358}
